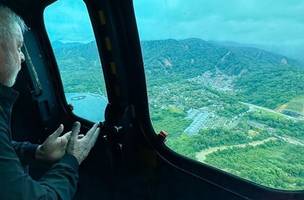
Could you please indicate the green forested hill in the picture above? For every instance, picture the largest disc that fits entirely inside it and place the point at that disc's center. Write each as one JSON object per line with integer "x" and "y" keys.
{"x": 257, "y": 75}
{"x": 80, "y": 67}
{"x": 260, "y": 77}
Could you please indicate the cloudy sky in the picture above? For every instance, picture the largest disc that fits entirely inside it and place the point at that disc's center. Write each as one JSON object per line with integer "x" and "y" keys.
{"x": 249, "y": 21}
{"x": 68, "y": 21}
{"x": 278, "y": 24}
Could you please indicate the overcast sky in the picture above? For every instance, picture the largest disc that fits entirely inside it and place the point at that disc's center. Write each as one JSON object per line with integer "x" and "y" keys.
{"x": 68, "y": 20}
{"x": 263, "y": 22}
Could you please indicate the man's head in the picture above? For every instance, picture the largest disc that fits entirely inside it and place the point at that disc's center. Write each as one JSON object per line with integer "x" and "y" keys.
{"x": 12, "y": 28}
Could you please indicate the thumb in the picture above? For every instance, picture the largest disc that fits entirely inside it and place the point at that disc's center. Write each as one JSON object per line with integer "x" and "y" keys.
{"x": 67, "y": 136}
{"x": 56, "y": 134}
{"x": 65, "y": 139}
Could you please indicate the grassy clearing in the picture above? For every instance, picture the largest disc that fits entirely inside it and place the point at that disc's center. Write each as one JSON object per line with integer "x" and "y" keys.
{"x": 296, "y": 105}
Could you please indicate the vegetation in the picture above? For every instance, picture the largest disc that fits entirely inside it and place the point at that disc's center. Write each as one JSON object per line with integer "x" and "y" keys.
{"x": 80, "y": 67}
{"x": 274, "y": 164}
{"x": 242, "y": 88}
{"x": 237, "y": 108}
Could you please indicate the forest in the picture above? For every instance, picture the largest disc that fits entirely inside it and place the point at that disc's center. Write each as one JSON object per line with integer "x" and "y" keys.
{"x": 239, "y": 109}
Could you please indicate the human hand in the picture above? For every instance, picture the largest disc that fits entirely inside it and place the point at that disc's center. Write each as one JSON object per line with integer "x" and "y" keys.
{"x": 54, "y": 147}
{"x": 80, "y": 147}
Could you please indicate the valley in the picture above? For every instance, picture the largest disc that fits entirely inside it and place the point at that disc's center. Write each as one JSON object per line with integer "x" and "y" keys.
{"x": 237, "y": 108}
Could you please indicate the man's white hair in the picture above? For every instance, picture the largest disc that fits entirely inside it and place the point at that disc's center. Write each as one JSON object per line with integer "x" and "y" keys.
{"x": 8, "y": 22}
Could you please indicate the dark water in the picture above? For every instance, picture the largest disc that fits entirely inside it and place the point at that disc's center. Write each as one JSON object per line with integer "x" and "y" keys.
{"x": 88, "y": 105}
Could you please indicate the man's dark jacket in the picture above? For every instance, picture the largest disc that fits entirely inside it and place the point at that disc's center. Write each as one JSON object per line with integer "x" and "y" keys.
{"x": 58, "y": 183}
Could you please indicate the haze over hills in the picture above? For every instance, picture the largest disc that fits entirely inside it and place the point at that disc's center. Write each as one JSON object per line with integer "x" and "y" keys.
{"x": 292, "y": 51}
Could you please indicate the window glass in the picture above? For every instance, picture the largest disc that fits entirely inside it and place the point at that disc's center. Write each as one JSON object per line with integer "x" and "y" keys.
{"x": 71, "y": 34}
{"x": 226, "y": 81}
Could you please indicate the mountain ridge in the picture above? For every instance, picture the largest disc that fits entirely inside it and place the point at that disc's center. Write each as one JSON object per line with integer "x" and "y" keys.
{"x": 258, "y": 76}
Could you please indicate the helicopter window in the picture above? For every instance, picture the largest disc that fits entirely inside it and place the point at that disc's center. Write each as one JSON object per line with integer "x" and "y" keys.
{"x": 70, "y": 31}
{"x": 226, "y": 81}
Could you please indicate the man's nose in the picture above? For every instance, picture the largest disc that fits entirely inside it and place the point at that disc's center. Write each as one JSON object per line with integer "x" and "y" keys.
{"x": 22, "y": 57}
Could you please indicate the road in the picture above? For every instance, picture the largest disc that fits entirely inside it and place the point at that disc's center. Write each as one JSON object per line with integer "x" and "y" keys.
{"x": 201, "y": 156}
{"x": 255, "y": 107}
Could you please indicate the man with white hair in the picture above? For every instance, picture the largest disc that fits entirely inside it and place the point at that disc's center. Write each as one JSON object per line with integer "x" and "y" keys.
{"x": 65, "y": 153}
